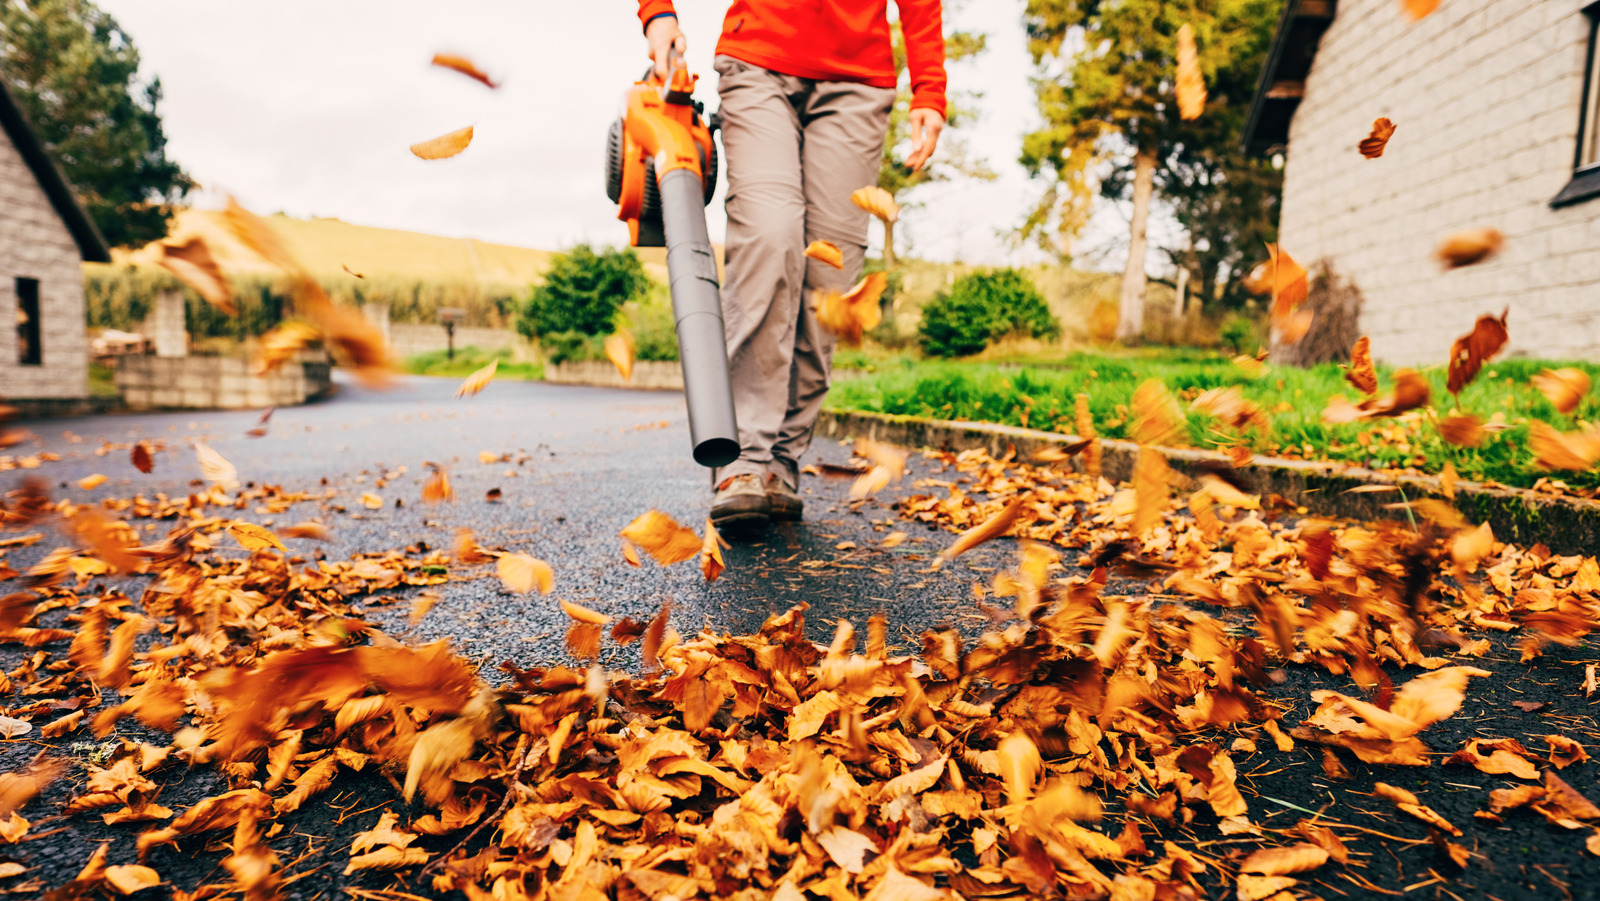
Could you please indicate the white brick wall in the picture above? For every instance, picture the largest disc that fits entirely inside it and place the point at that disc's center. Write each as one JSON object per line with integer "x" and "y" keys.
{"x": 34, "y": 243}
{"x": 1486, "y": 96}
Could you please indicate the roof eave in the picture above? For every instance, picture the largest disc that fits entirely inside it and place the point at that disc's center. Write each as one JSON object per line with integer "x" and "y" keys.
{"x": 1294, "y": 46}
{"x": 92, "y": 245}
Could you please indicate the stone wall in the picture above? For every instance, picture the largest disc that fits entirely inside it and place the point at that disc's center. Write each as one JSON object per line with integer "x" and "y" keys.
{"x": 225, "y": 383}
{"x": 409, "y": 339}
{"x": 167, "y": 325}
{"x": 34, "y": 243}
{"x": 649, "y": 375}
{"x": 1486, "y": 97}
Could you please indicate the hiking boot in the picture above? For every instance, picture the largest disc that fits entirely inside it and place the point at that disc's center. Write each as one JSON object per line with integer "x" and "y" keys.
{"x": 740, "y": 504}
{"x": 784, "y": 501}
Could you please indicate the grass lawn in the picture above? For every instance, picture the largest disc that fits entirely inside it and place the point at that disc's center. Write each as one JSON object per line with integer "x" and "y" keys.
{"x": 1042, "y": 396}
{"x": 469, "y": 360}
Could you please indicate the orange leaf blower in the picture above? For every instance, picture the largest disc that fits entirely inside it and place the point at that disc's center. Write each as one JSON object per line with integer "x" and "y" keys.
{"x": 661, "y": 170}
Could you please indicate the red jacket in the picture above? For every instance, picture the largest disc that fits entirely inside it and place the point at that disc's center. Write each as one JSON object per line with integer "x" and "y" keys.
{"x": 834, "y": 40}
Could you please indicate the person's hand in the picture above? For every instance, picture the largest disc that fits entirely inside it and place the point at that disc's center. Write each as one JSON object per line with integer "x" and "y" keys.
{"x": 664, "y": 35}
{"x": 925, "y": 127}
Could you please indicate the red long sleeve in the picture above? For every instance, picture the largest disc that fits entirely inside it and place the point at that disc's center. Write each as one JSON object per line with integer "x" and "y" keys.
{"x": 834, "y": 40}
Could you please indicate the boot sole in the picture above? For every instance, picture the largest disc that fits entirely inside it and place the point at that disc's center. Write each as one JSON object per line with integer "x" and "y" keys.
{"x": 782, "y": 512}
{"x": 742, "y": 522}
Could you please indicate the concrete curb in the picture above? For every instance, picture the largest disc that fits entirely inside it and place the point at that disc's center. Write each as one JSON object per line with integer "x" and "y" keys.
{"x": 1565, "y": 525}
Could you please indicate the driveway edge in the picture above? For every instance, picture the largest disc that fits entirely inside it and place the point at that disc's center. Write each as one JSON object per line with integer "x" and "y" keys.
{"x": 1565, "y": 525}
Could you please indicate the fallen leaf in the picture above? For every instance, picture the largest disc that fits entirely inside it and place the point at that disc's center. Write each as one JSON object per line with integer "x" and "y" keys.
{"x": 711, "y": 565}
{"x": 214, "y": 467}
{"x": 314, "y": 531}
{"x": 878, "y": 202}
{"x": 11, "y": 727}
{"x": 1576, "y": 451}
{"x": 437, "y": 490}
{"x": 371, "y": 501}
{"x": 444, "y": 146}
{"x": 1468, "y": 247}
{"x": 1447, "y": 481}
{"x": 1361, "y": 373}
{"x": 660, "y": 536}
{"x": 140, "y": 457}
{"x": 1283, "y": 861}
{"x": 1472, "y": 350}
{"x": 464, "y": 548}
{"x": 619, "y": 350}
{"x": 252, "y": 537}
{"x": 1191, "y": 85}
{"x": 421, "y": 604}
{"x": 1564, "y": 388}
{"x": 1416, "y": 9}
{"x": 826, "y": 252}
{"x": 478, "y": 381}
{"x": 583, "y": 635}
{"x": 522, "y": 573}
{"x": 851, "y": 314}
{"x": 1372, "y": 145}
{"x": 1462, "y": 430}
{"x": 464, "y": 66}
{"x": 986, "y": 531}
{"x": 131, "y": 878}
{"x": 280, "y": 345}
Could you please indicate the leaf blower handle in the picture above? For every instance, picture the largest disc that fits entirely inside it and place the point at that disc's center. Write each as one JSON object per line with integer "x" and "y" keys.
{"x": 697, "y": 307}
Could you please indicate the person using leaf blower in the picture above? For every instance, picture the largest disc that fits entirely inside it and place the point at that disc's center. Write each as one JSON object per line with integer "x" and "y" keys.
{"x": 806, "y": 89}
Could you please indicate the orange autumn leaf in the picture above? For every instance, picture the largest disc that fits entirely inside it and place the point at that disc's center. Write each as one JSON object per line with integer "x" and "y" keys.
{"x": 1447, "y": 481}
{"x": 1191, "y": 86}
{"x": 1462, "y": 430}
{"x": 253, "y": 537}
{"x": 463, "y": 65}
{"x": 1372, "y": 145}
{"x": 280, "y": 344}
{"x": 1283, "y": 861}
{"x": 522, "y": 573}
{"x": 849, "y": 315}
{"x": 437, "y": 489}
{"x": 1288, "y": 281}
{"x": 464, "y": 548}
{"x": 583, "y": 635}
{"x": 1552, "y": 449}
{"x": 478, "y": 381}
{"x": 826, "y": 252}
{"x": 192, "y": 262}
{"x": 1361, "y": 373}
{"x": 1416, "y": 9}
{"x": 1564, "y": 388}
{"x": 1465, "y": 248}
{"x": 444, "y": 146}
{"x": 129, "y": 878}
{"x": 90, "y": 483}
{"x": 660, "y": 536}
{"x": 878, "y": 202}
{"x": 1157, "y": 418}
{"x": 1411, "y": 391}
{"x": 986, "y": 531}
{"x": 711, "y": 565}
{"x": 1150, "y": 480}
{"x": 1470, "y": 351}
{"x": 214, "y": 467}
{"x": 619, "y": 350}
{"x": 1295, "y": 326}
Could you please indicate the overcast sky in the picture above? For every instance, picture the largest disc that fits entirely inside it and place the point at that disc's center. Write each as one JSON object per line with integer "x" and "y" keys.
{"x": 309, "y": 108}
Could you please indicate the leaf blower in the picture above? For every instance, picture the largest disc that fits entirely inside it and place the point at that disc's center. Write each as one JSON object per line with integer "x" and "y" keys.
{"x": 661, "y": 170}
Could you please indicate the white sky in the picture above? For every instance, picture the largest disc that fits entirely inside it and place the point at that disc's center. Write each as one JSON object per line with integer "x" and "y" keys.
{"x": 309, "y": 108}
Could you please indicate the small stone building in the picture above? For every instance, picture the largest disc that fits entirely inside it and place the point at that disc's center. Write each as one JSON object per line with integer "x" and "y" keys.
{"x": 44, "y": 236}
{"x": 1497, "y": 104}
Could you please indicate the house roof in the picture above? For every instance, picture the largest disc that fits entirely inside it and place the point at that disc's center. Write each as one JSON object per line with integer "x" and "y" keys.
{"x": 91, "y": 244}
{"x": 1283, "y": 78}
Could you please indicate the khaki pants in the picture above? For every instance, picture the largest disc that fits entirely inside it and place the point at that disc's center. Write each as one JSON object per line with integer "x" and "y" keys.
{"x": 795, "y": 150}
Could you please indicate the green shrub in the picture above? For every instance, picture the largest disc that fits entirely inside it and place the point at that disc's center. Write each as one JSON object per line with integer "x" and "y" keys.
{"x": 583, "y": 291}
{"x": 655, "y": 333}
{"x": 983, "y": 307}
{"x": 572, "y": 347}
{"x": 1240, "y": 334}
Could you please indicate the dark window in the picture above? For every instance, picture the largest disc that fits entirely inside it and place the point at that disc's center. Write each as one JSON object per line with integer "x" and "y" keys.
{"x": 1585, "y": 181}
{"x": 29, "y": 353}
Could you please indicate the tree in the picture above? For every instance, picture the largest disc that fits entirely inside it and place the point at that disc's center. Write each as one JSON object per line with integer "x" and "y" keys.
{"x": 74, "y": 73}
{"x": 583, "y": 291}
{"x": 954, "y": 159}
{"x": 1105, "y": 94}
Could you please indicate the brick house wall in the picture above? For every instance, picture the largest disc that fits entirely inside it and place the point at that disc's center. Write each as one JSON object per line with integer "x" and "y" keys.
{"x": 1486, "y": 95}
{"x": 35, "y": 243}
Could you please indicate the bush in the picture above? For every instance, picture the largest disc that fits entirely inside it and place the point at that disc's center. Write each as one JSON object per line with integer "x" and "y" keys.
{"x": 572, "y": 347}
{"x": 655, "y": 333}
{"x": 583, "y": 291}
{"x": 1240, "y": 334}
{"x": 983, "y": 307}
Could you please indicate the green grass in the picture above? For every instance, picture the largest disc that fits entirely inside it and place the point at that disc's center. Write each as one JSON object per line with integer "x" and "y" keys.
{"x": 102, "y": 380}
{"x": 469, "y": 360}
{"x": 1041, "y": 395}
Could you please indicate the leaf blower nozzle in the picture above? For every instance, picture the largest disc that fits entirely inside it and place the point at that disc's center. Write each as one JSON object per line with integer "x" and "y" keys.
{"x": 661, "y": 170}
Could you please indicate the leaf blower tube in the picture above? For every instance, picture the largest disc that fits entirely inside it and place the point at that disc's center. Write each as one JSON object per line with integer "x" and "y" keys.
{"x": 661, "y": 172}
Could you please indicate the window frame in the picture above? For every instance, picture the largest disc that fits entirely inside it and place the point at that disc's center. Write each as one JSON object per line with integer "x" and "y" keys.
{"x": 30, "y": 334}
{"x": 1585, "y": 182}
